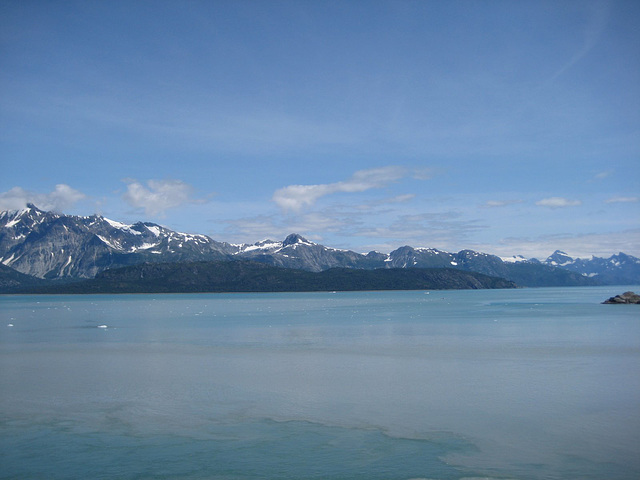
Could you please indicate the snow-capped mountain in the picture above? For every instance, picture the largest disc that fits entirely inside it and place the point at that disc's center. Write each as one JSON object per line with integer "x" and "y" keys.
{"x": 618, "y": 269}
{"x": 514, "y": 259}
{"x": 298, "y": 252}
{"x": 410, "y": 257}
{"x": 559, "y": 259}
{"x": 51, "y": 245}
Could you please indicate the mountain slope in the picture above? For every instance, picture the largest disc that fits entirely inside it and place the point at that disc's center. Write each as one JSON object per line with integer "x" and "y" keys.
{"x": 11, "y": 280}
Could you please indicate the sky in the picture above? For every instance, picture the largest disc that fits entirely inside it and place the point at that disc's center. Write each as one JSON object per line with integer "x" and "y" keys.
{"x": 507, "y": 127}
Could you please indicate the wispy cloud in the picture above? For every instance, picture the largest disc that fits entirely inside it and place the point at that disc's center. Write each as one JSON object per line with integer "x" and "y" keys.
{"x": 595, "y": 25}
{"x": 446, "y": 230}
{"x": 501, "y": 203}
{"x": 295, "y": 197}
{"x": 622, "y": 200}
{"x": 314, "y": 226}
{"x": 337, "y": 227}
{"x": 423, "y": 173}
{"x": 159, "y": 195}
{"x": 61, "y": 198}
{"x": 605, "y": 174}
{"x": 400, "y": 198}
{"x": 558, "y": 202}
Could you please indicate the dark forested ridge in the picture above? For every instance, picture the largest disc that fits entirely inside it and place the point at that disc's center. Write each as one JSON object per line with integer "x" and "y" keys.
{"x": 11, "y": 279}
{"x": 247, "y": 276}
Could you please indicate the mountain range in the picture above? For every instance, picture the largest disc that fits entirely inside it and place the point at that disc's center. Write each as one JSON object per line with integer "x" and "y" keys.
{"x": 50, "y": 245}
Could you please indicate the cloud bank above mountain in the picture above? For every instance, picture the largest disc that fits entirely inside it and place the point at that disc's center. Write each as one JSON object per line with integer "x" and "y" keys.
{"x": 61, "y": 198}
{"x": 158, "y": 196}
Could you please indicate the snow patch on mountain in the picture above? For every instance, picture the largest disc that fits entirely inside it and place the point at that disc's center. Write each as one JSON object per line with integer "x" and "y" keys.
{"x": 121, "y": 226}
{"x": 109, "y": 243}
{"x": 514, "y": 259}
{"x": 154, "y": 229}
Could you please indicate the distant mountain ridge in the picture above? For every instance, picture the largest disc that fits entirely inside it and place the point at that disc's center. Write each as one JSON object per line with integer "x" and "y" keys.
{"x": 618, "y": 269}
{"x": 55, "y": 246}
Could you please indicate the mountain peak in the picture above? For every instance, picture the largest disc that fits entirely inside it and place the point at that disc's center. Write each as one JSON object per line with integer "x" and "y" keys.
{"x": 559, "y": 259}
{"x": 34, "y": 210}
{"x": 295, "y": 238}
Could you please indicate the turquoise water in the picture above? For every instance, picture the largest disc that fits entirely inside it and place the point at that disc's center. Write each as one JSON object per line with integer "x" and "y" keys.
{"x": 519, "y": 384}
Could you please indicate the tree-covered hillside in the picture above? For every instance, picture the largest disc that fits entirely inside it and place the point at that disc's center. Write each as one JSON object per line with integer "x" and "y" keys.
{"x": 245, "y": 276}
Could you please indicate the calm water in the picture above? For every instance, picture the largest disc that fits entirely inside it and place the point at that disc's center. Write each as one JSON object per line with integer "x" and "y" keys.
{"x": 518, "y": 384}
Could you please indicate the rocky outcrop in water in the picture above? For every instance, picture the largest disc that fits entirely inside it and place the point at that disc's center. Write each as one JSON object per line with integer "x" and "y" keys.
{"x": 627, "y": 297}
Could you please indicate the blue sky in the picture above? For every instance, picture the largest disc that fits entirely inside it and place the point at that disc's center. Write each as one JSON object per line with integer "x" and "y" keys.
{"x": 509, "y": 127}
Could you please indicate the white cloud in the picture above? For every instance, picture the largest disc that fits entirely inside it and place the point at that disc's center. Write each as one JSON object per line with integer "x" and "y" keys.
{"x": 623, "y": 200}
{"x": 158, "y": 196}
{"x": 61, "y": 198}
{"x": 558, "y": 202}
{"x": 295, "y": 197}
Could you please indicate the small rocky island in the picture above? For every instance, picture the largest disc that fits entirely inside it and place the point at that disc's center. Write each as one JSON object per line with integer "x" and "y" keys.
{"x": 627, "y": 297}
